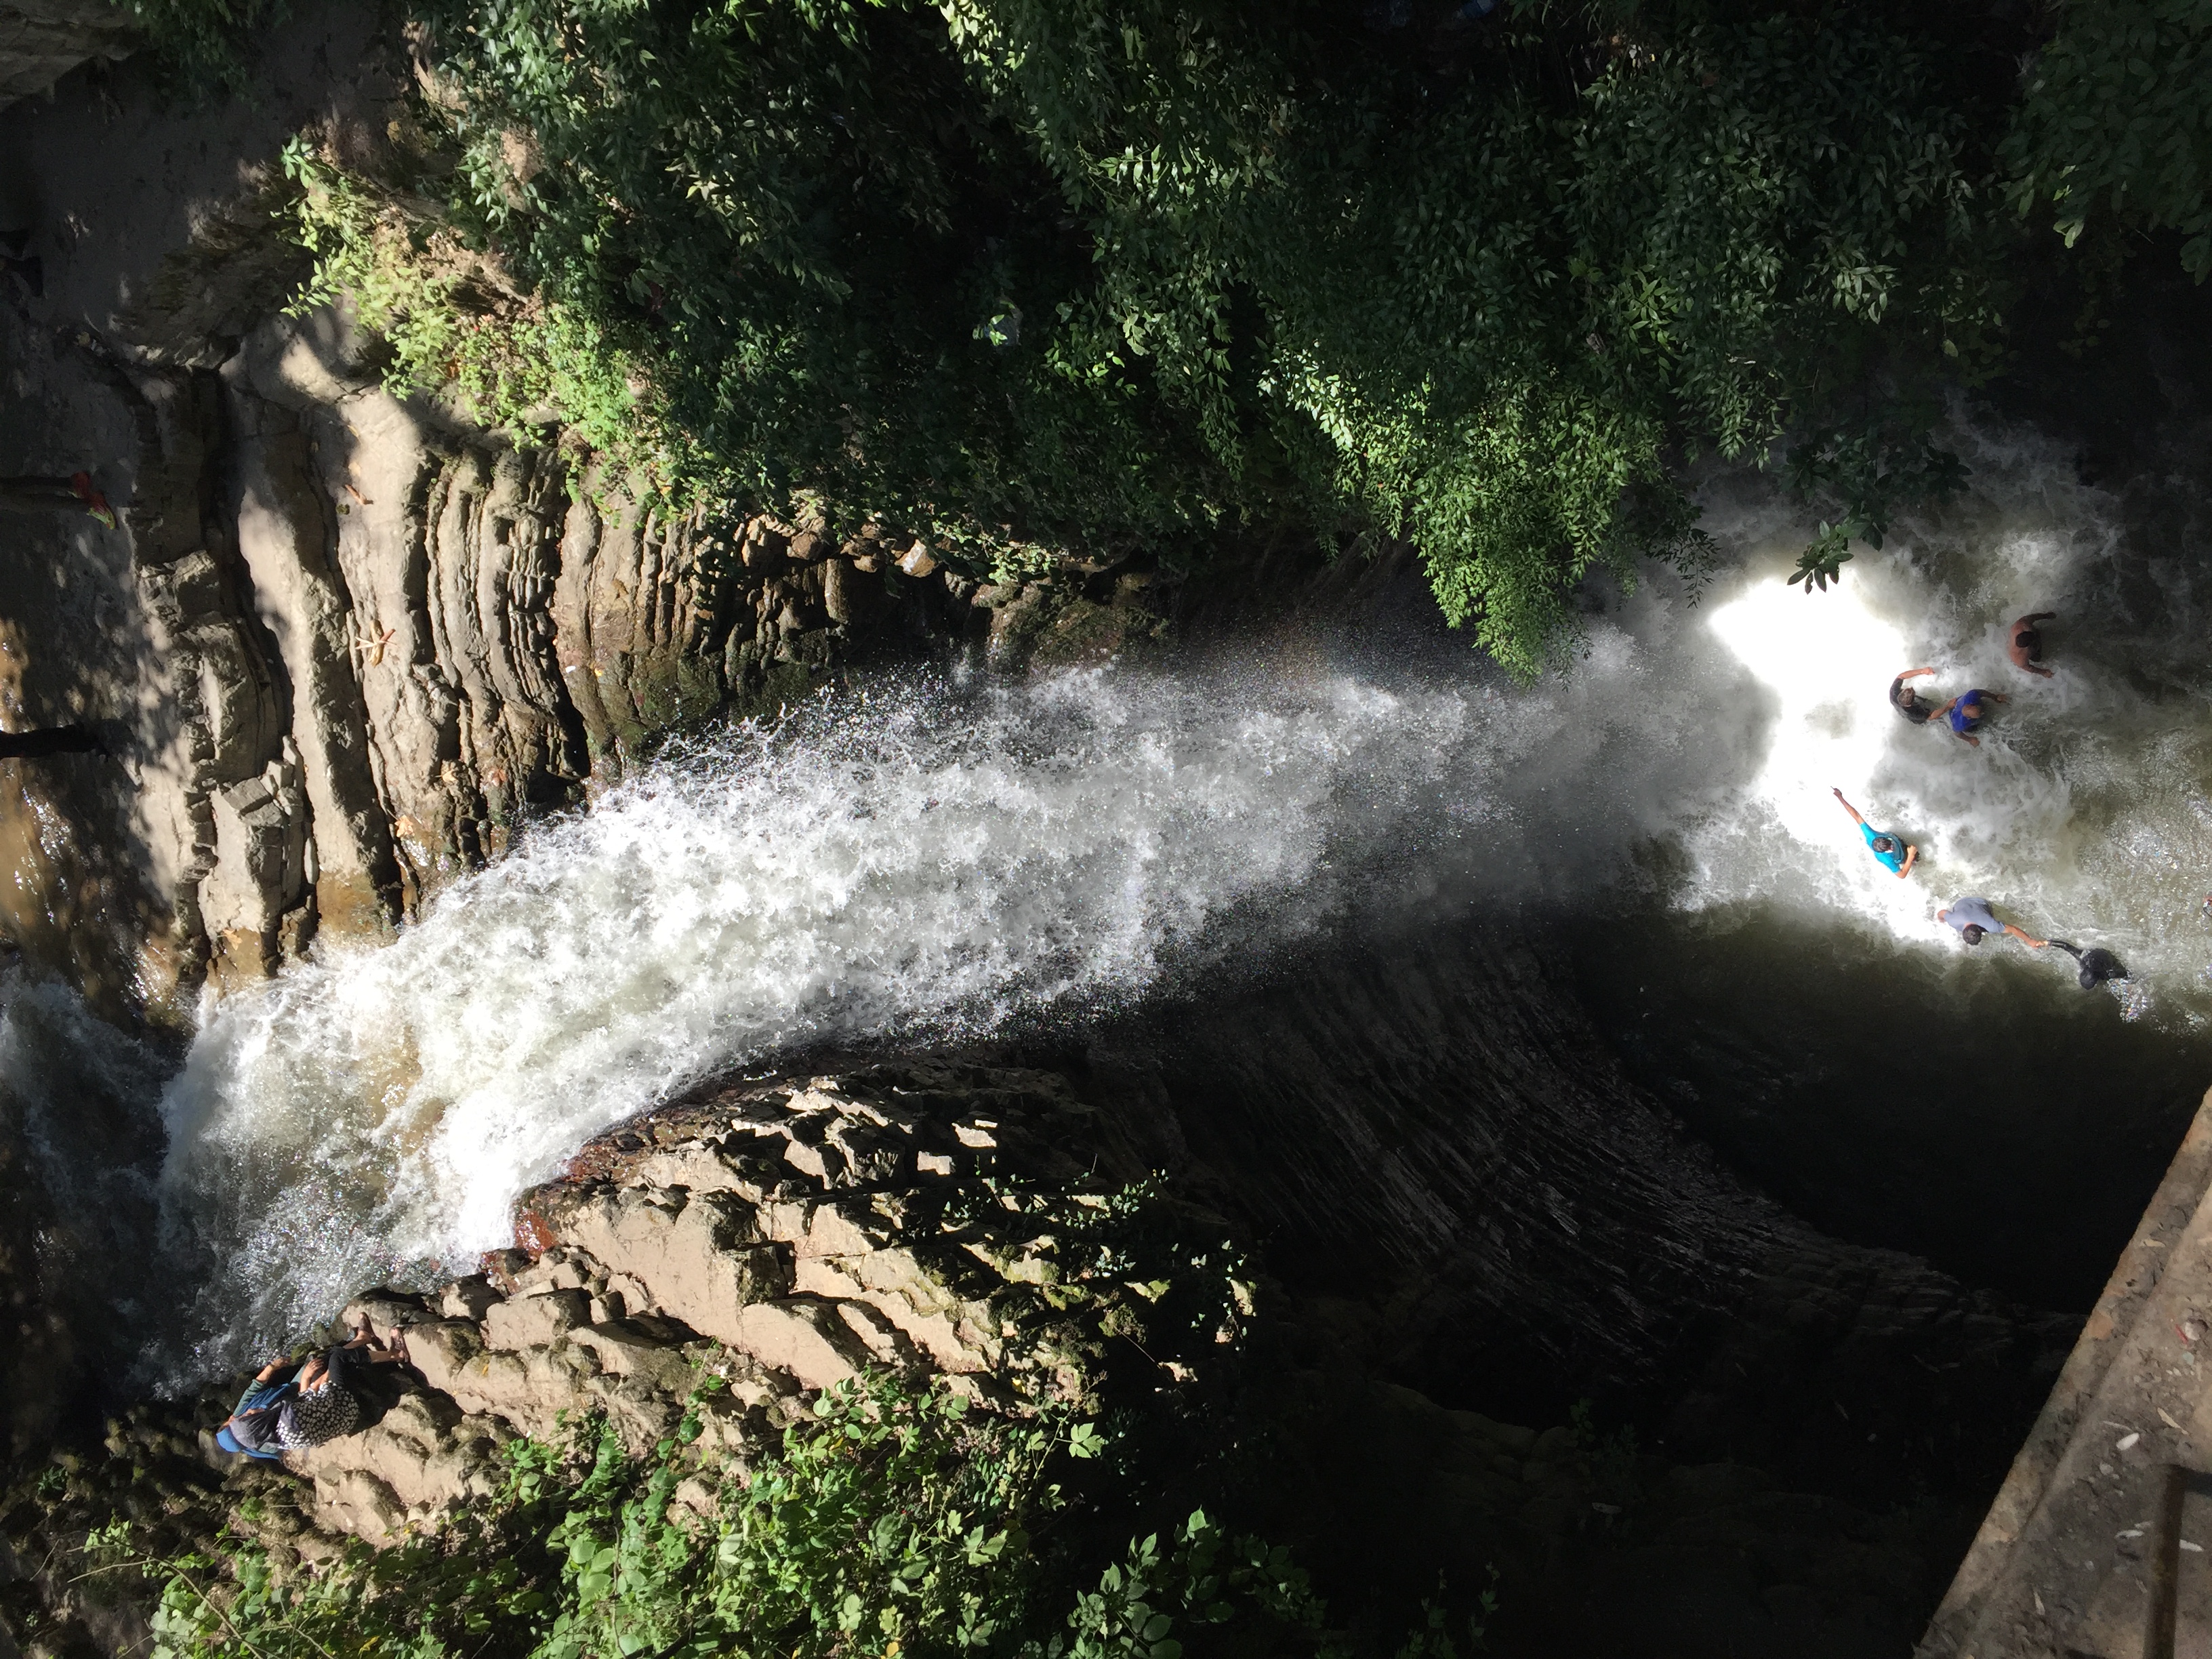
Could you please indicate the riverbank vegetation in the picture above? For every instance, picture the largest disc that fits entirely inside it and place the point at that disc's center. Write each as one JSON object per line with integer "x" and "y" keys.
{"x": 1492, "y": 279}
{"x": 896, "y": 1520}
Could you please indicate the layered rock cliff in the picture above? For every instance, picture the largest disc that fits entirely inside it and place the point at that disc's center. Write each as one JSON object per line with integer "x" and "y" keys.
{"x": 782, "y": 1238}
{"x": 729, "y": 1257}
{"x": 344, "y": 644}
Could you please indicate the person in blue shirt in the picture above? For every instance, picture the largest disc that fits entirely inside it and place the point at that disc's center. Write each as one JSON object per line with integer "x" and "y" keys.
{"x": 1973, "y": 920}
{"x": 1967, "y": 711}
{"x": 1890, "y": 851}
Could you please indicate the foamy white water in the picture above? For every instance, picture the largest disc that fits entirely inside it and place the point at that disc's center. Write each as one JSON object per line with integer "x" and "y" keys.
{"x": 908, "y": 866}
{"x": 2083, "y": 813}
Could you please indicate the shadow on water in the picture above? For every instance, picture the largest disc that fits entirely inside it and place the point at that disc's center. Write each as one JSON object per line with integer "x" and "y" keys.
{"x": 1983, "y": 1112}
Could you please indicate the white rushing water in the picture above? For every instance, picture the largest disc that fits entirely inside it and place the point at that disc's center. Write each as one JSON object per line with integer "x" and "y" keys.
{"x": 908, "y": 865}
{"x": 919, "y": 864}
{"x": 2083, "y": 813}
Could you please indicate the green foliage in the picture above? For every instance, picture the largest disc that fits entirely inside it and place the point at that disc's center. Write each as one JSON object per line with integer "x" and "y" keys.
{"x": 449, "y": 321}
{"x": 896, "y": 1521}
{"x": 847, "y": 272}
{"x": 1207, "y": 1578}
{"x": 1099, "y": 271}
{"x": 1433, "y": 1639}
{"x": 1872, "y": 470}
{"x": 201, "y": 44}
{"x": 2117, "y": 122}
{"x": 1499, "y": 304}
{"x": 893, "y": 1519}
{"x": 1609, "y": 1459}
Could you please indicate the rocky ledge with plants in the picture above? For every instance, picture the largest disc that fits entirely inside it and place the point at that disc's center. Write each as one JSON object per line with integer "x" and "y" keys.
{"x": 916, "y": 1357}
{"x": 798, "y": 1367}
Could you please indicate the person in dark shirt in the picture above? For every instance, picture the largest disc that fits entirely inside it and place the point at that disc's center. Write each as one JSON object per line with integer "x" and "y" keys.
{"x": 290, "y": 1406}
{"x": 2025, "y": 645}
{"x": 1902, "y": 699}
{"x": 2097, "y": 964}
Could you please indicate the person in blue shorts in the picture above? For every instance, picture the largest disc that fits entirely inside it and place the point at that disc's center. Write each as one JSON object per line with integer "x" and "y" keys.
{"x": 1967, "y": 711}
{"x": 1890, "y": 851}
{"x": 1975, "y": 921}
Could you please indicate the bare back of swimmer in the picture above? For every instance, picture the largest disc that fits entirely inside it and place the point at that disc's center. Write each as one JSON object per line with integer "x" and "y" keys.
{"x": 2024, "y": 645}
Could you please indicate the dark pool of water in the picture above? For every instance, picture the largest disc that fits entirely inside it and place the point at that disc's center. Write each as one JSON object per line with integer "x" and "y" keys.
{"x": 1983, "y": 1112}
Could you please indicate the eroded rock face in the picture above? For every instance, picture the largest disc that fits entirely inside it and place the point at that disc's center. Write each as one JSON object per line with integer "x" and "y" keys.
{"x": 368, "y": 641}
{"x": 344, "y": 643}
{"x": 42, "y": 41}
{"x": 777, "y": 1239}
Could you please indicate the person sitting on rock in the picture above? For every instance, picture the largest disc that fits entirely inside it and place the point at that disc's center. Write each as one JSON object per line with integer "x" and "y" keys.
{"x": 2096, "y": 964}
{"x": 1968, "y": 710}
{"x": 293, "y": 1409}
{"x": 1976, "y": 921}
{"x": 324, "y": 1406}
{"x": 251, "y": 1428}
{"x": 34, "y": 494}
{"x": 1889, "y": 850}
{"x": 1903, "y": 699}
{"x": 2024, "y": 644}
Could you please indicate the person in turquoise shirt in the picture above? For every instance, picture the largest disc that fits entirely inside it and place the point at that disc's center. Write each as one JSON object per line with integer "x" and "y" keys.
{"x": 1891, "y": 851}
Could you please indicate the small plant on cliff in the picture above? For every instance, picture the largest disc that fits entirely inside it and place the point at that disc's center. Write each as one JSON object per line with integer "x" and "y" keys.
{"x": 201, "y": 45}
{"x": 450, "y": 317}
{"x": 895, "y": 1519}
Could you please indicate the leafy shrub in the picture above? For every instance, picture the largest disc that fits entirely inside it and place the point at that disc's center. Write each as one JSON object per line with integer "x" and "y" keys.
{"x": 2117, "y": 121}
{"x": 896, "y": 1521}
{"x": 1101, "y": 272}
{"x": 201, "y": 44}
{"x": 1500, "y": 299}
{"x": 450, "y": 320}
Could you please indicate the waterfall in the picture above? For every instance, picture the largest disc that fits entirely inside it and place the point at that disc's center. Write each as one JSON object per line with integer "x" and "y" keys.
{"x": 919, "y": 862}
{"x": 912, "y": 865}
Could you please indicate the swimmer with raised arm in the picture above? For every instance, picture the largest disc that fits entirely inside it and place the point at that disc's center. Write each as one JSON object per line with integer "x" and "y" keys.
{"x": 1890, "y": 851}
{"x": 1902, "y": 699}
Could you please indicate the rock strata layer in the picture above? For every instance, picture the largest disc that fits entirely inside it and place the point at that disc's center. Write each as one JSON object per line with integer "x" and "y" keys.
{"x": 983, "y": 1226}
{"x": 931, "y": 1221}
{"x": 42, "y": 41}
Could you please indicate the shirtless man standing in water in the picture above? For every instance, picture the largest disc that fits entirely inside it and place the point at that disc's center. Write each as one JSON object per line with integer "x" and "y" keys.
{"x": 2024, "y": 645}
